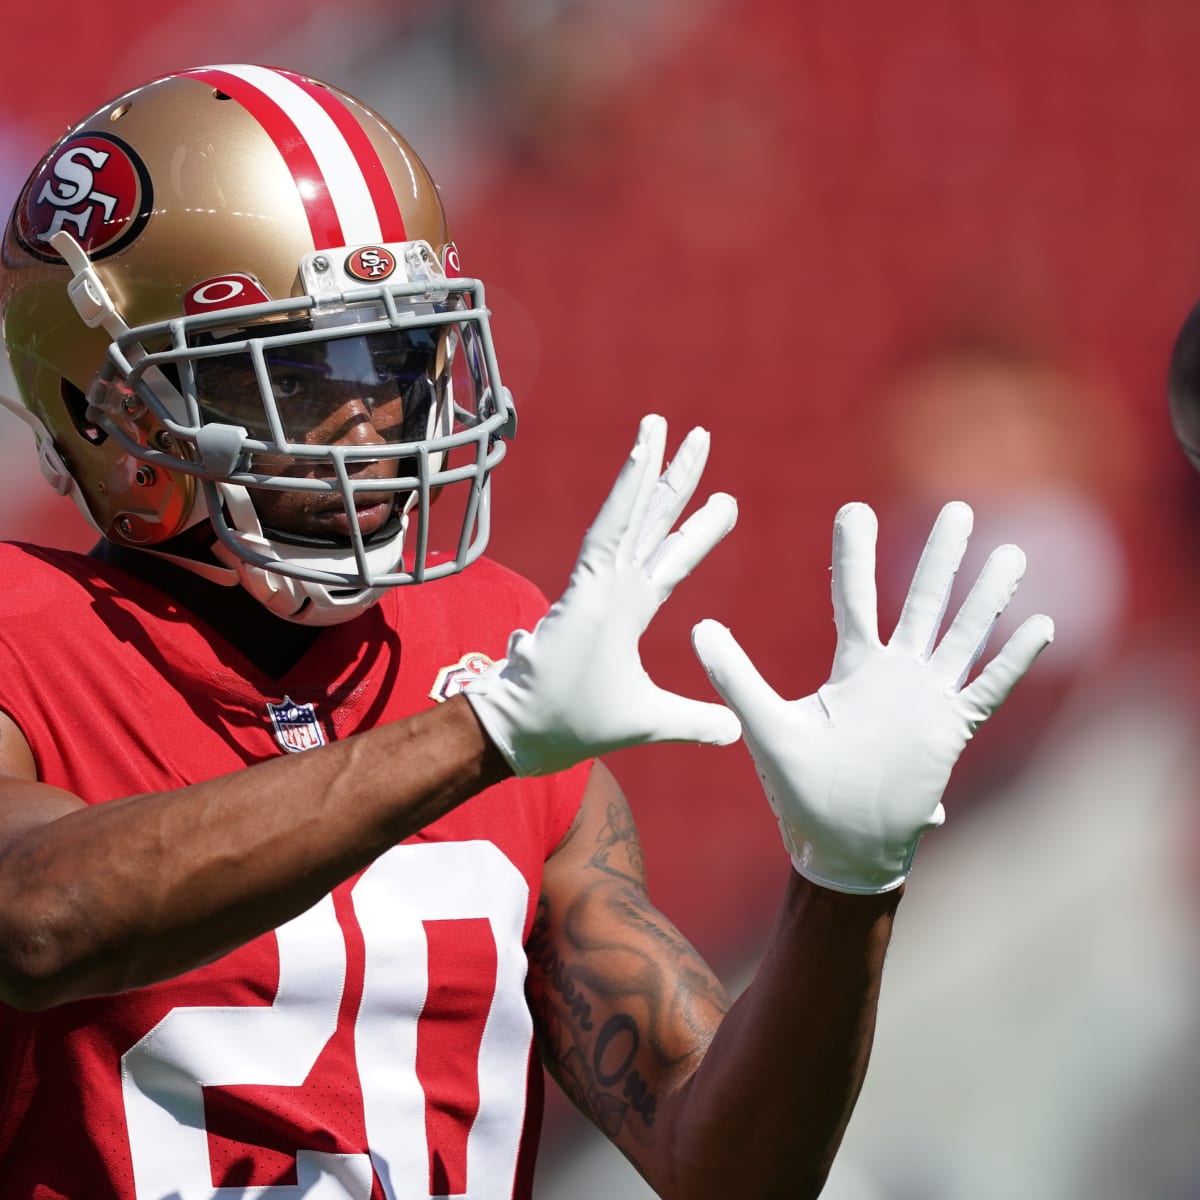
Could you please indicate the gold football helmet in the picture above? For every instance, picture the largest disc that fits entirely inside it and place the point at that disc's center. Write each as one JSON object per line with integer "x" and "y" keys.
{"x": 229, "y": 296}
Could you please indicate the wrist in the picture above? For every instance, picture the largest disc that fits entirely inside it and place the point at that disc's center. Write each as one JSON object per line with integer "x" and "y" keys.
{"x": 852, "y": 887}
{"x": 493, "y": 765}
{"x": 841, "y": 904}
{"x": 852, "y": 875}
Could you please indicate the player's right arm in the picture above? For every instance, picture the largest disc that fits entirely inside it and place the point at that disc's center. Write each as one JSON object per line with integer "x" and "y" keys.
{"x": 96, "y": 899}
{"x": 100, "y": 898}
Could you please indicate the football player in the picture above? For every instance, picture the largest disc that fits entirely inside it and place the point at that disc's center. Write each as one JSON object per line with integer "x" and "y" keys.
{"x": 303, "y": 849}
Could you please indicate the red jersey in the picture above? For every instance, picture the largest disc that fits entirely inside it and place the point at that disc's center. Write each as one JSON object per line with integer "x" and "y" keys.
{"x": 379, "y": 1044}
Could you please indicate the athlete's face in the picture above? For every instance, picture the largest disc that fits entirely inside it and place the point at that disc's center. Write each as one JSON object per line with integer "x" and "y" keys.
{"x": 360, "y": 391}
{"x": 340, "y": 416}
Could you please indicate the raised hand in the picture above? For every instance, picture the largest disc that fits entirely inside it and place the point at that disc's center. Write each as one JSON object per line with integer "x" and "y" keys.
{"x": 575, "y": 687}
{"x": 855, "y": 772}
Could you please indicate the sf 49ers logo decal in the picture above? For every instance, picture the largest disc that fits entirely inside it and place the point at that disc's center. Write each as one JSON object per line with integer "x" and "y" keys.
{"x": 93, "y": 186}
{"x": 371, "y": 262}
{"x": 452, "y": 679}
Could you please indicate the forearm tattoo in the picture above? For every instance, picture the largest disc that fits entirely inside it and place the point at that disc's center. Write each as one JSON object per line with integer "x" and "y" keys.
{"x": 624, "y": 1005}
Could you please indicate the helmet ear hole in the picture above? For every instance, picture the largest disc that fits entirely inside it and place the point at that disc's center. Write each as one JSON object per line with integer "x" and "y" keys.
{"x": 76, "y": 405}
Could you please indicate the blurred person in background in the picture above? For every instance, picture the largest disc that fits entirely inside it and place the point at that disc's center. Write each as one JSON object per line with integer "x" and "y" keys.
{"x": 1052, "y": 942}
{"x": 1045, "y": 454}
{"x": 302, "y": 847}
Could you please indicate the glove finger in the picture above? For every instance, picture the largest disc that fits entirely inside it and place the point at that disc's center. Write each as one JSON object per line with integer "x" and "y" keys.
{"x": 855, "y": 605}
{"x": 929, "y": 593}
{"x": 972, "y": 626}
{"x": 671, "y": 493}
{"x": 622, "y": 510}
{"x": 986, "y": 693}
{"x": 680, "y": 554}
{"x": 656, "y": 445}
{"x": 679, "y": 719}
{"x": 734, "y": 676}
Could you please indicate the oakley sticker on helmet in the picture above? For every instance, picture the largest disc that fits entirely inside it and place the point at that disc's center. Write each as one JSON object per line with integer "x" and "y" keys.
{"x": 225, "y": 291}
{"x": 453, "y": 679}
{"x": 450, "y": 261}
{"x": 95, "y": 187}
{"x": 296, "y": 726}
{"x": 370, "y": 263}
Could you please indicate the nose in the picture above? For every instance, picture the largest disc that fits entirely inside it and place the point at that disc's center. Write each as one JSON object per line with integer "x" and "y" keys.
{"x": 352, "y": 417}
{"x": 355, "y": 418}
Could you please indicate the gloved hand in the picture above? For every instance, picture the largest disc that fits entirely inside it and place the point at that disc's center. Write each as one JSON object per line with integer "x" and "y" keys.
{"x": 575, "y": 687}
{"x": 855, "y": 773}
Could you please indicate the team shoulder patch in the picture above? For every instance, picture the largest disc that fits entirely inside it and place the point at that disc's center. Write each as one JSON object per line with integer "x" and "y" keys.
{"x": 296, "y": 726}
{"x": 452, "y": 679}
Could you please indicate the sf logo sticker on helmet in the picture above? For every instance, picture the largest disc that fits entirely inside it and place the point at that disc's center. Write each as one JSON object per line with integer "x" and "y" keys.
{"x": 370, "y": 263}
{"x": 95, "y": 187}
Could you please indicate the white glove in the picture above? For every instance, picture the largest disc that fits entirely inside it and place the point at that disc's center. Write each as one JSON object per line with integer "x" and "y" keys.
{"x": 855, "y": 773}
{"x": 575, "y": 687}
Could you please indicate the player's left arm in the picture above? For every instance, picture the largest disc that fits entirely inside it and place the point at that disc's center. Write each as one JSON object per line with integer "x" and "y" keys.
{"x": 753, "y": 1102}
{"x": 705, "y": 1099}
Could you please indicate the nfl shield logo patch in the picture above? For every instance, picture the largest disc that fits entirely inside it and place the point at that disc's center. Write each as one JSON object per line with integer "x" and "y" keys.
{"x": 296, "y": 726}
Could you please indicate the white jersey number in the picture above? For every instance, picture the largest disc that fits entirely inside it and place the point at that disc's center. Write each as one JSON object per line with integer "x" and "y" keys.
{"x": 164, "y": 1074}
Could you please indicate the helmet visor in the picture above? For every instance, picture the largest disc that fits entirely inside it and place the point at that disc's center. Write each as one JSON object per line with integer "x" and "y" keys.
{"x": 318, "y": 392}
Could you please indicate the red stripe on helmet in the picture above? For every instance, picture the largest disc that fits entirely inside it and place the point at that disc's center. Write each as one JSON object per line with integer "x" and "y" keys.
{"x": 311, "y": 185}
{"x": 387, "y": 207}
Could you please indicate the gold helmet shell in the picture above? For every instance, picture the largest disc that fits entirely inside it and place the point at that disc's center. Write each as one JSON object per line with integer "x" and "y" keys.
{"x": 221, "y": 201}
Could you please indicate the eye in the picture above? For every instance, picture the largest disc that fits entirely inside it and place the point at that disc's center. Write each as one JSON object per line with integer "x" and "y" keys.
{"x": 287, "y": 387}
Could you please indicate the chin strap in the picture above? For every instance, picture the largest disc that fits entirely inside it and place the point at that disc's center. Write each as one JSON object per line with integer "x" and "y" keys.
{"x": 279, "y": 594}
{"x": 213, "y": 572}
{"x": 89, "y": 295}
{"x": 96, "y": 309}
{"x": 299, "y": 600}
{"x": 54, "y": 470}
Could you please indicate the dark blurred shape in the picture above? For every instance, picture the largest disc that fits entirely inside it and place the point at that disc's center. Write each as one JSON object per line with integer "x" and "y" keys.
{"x": 1183, "y": 387}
